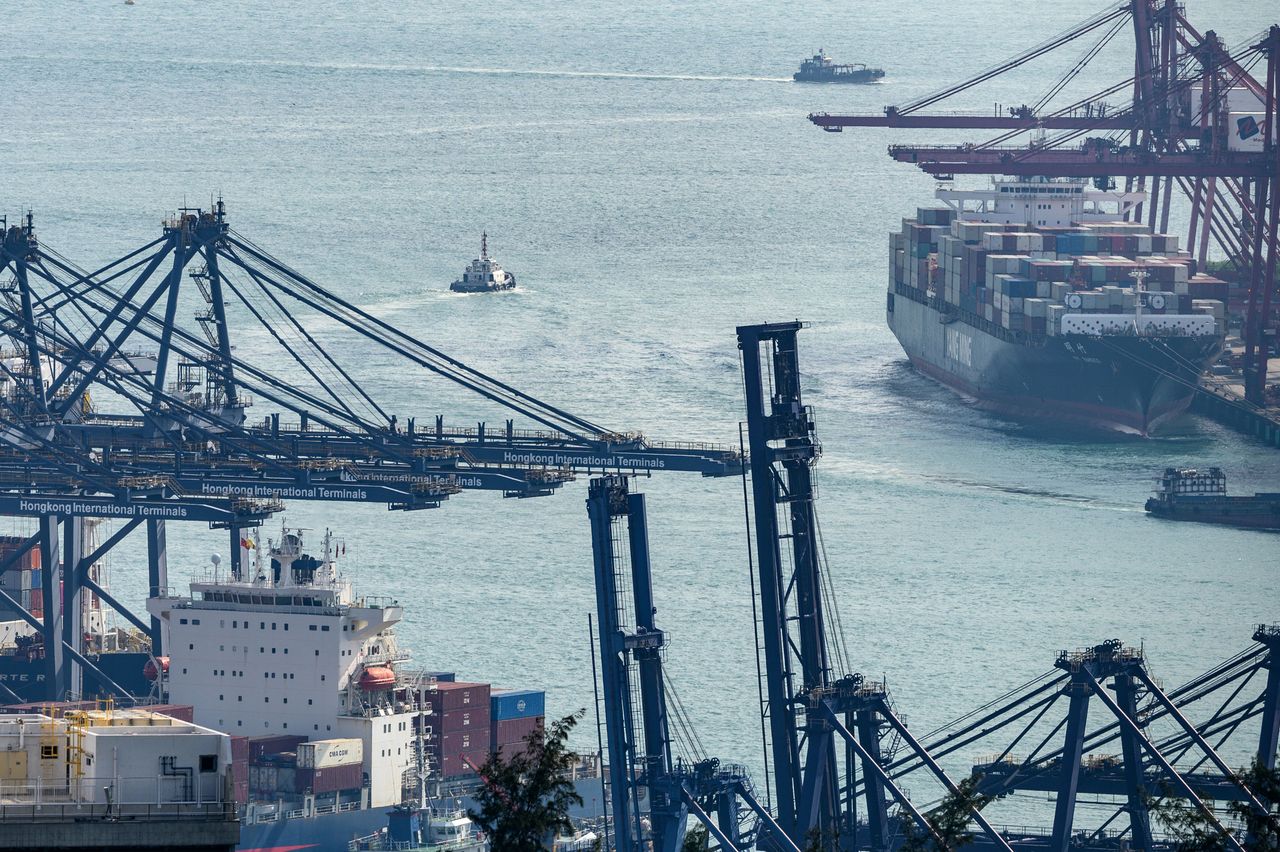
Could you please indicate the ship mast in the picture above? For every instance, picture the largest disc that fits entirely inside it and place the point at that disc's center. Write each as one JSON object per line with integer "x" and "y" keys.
{"x": 484, "y": 245}
{"x": 1139, "y": 276}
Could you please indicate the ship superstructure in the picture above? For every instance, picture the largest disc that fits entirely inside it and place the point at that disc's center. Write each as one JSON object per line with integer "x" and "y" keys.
{"x": 1038, "y": 299}
{"x": 290, "y": 650}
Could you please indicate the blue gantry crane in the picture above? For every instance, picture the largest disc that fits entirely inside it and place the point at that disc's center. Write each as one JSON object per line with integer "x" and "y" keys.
{"x": 809, "y": 705}
{"x": 834, "y": 737}
{"x": 641, "y": 724}
{"x": 114, "y": 404}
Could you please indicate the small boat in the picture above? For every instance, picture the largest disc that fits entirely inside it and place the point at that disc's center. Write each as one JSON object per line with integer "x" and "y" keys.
{"x": 1189, "y": 494}
{"x": 484, "y": 274}
{"x": 820, "y": 68}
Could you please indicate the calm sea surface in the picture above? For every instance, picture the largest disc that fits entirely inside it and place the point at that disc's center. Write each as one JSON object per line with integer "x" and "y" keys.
{"x": 648, "y": 173}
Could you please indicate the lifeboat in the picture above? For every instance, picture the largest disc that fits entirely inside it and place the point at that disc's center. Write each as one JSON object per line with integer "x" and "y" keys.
{"x": 150, "y": 672}
{"x": 376, "y": 678}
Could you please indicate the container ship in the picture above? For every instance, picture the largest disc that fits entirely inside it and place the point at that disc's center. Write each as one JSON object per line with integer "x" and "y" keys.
{"x": 1036, "y": 299}
{"x": 1191, "y": 494}
{"x": 332, "y": 730}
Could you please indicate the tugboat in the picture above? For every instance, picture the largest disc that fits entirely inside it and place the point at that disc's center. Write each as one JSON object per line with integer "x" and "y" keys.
{"x": 484, "y": 275}
{"x": 1188, "y": 494}
{"x": 821, "y": 69}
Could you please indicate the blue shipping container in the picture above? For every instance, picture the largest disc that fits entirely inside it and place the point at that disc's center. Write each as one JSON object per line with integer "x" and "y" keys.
{"x": 517, "y": 704}
{"x": 443, "y": 677}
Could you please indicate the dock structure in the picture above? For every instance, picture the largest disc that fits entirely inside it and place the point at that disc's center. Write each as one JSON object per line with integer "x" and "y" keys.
{"x": 114, "y": 779}
{"x": 1226, "y": 404}
{"x": 1225, "y": 399}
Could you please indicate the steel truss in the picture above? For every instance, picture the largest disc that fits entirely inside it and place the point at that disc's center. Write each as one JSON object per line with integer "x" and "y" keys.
{"x": 112, "y": 404}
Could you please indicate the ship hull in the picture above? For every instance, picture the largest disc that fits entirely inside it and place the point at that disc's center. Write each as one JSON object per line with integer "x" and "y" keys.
{"x": 507, "y": 283}
{"x": 1261, "y": 511}
{"x": 333, "y": 832}
{"x": 850, "y": 77}
{"x": 1131, "y": 385}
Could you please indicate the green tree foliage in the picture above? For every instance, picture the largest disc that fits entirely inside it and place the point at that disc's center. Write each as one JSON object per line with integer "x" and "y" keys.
{"x": 1255, "y": 830}
{"x": 526, "y": 797}
{"x": 817, "y": 841}
{"x": 697, "y": 840}
{"x": 950, "y": 819}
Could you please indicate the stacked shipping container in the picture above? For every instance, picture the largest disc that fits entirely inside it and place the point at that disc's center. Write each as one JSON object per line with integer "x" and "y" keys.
{"x": 22, "y": 580}
{"x": 460, "y": 727}
{"x": 1019, "y": 278}
{"x": 515, "y": 713}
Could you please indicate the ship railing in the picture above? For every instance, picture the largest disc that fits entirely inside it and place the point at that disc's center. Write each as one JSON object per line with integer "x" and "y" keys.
{"x": 377, "y": 602}
{"x": 379, "y": 659}
{"x": 134, "y": 812}
{"x": 1015, "y": 832}
{"x": 259, "y": 609}
{"x": 157, "y": 790}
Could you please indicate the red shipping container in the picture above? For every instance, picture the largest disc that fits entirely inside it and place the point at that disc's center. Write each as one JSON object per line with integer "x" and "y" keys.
{"x": 458, "y": 695}
{"x": 240, "y": 748}
{"x": 465, "y": 719}
{"x": 273, "y": 744}
{"x": 453, "y": 766}
{"x": 510, "y": 731}
{"x": 241, "y": 792}
{"x": 330, "y": 779}
{"x": 460, "y": 742}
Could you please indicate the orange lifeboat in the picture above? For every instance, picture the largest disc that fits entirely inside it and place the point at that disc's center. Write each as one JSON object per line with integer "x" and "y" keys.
{"x": 376, "y": 678}
{"x": 150, "y": 672}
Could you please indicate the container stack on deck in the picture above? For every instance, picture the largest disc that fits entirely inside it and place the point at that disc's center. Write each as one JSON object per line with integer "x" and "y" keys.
{"x": 22, "y": 580}
{"x": 515, "y": 713}
{"x": 1018, "y": 277}
{"x": 460, "y": 727}
{"x": 287, "y": 764}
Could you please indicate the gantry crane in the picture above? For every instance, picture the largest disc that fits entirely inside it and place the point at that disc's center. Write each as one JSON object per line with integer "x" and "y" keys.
{"x": 114, "y": 404}
{"x": 638, "y": 719}
{"x": 835, "y": 738}
{"x": 1199, "y": 120}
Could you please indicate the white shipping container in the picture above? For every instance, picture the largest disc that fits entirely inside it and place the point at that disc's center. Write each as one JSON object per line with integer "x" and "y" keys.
{"x": 322, "y": 754}
{"x": 1246, "y": 131}
{"x": 1240, "y": 99}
